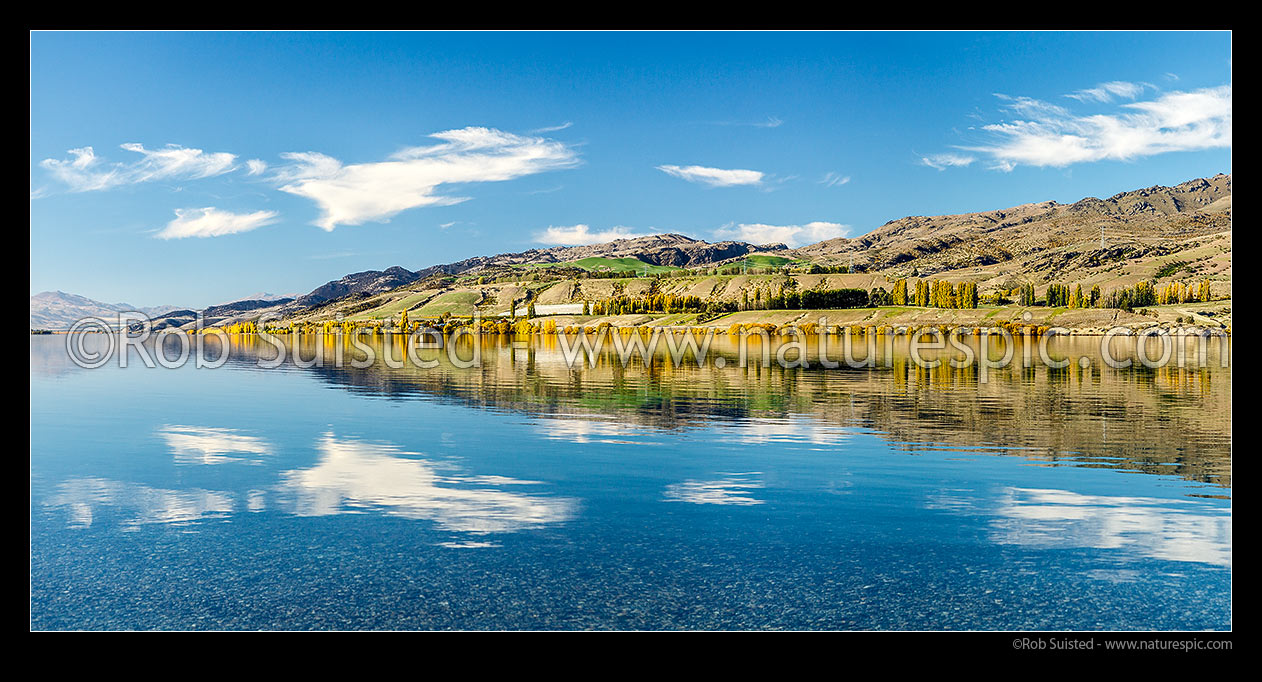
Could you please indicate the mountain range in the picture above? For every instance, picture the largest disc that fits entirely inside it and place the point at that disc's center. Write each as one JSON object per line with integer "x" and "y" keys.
{"x": 59, "y": 310}
{"x": 1153, "y": 233}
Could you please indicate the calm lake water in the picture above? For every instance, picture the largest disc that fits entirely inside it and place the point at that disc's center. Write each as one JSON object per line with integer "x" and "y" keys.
{"x": 526, "y": 494}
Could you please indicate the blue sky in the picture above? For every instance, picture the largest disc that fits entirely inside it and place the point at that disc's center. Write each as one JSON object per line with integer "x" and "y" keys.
{"x": 195, "y": 168}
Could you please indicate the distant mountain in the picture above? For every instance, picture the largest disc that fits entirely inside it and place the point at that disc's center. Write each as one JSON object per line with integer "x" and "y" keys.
{"x": 658, "y": 249}
{"x": 57, "y": 310}
{"x": 261, "y": 296}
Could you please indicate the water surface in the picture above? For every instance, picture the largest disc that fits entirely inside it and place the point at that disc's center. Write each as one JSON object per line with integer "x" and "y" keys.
{"x": 529, "y": 494}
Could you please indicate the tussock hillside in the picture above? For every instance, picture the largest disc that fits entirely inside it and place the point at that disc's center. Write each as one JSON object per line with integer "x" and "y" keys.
{"x": 1097, "y": 241}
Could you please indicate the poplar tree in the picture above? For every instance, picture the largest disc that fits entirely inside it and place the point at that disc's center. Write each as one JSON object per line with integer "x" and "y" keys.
{"x": 899, "y": 295}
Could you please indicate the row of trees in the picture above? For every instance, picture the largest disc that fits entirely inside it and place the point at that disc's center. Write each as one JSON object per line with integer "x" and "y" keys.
{"x": 241, "y": 328}
{"x": 655, "y": 303}
{"x": 1178, "y": 292}
{"x": 1129, "y": 298}
{"x": 791, "y": 299}
{"x": 1140, "y": 294}
{"x": 784, "y": 299}
{"x": 835, "y": 298}
{"x": 1061, "y": 295}
{"x": 934, "y": 294}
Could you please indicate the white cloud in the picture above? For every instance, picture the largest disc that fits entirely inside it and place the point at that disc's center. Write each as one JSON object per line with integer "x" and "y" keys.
{"x": 358, "y": 193}
{"x": 715, "y": 177}
{"x": 575, "y": 235}
{"x": 1053, "y": 137}
{"x": 1028, "y": 106}
{"x": 834, "y": 179}
{"x": 255, "y": 167}
{"x": 943, "y": 161}
{"x": 212, "y": 222}
{"x": 792, "y": 235}
{"x": 176, "y": 161}
{"x": 553, "y": 129}
{"x": 84, "y": 171}
{"x": 1105, "y": 92}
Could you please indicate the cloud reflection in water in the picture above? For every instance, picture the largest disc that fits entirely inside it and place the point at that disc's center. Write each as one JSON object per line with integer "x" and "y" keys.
{"x": 209, "y": 445}
{"x": 349, "y": 476}
{"x": 83, "y": 498}
{"x": 1169, "y": 529}
{"x": 354, "y": 475}
{"x": 733, "y": 489}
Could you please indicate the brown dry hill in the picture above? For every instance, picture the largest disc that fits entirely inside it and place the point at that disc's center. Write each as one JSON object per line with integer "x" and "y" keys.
{"x": 1093, "y": 241}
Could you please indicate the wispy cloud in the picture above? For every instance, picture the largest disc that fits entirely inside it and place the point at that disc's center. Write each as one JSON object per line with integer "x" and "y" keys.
{"x": 714, "y": 177}
{"x": 769, "y": 122}
{"x": 944, "y": 161}
{"x": 1106, "y": 92}
{"x": 575, "y": 235}
{"x": 553, "y": 129}
{"x": 255, "y": 167}
{"x": 84, "y": 171}
{"x": 358, "y": 193}
{"x": 792, "y": 235}
{"x": 1051, "y": 136}
{"x": 212, "y": 222}
{"x": 834, "y": 179}
{"x": 1029, "y": 106}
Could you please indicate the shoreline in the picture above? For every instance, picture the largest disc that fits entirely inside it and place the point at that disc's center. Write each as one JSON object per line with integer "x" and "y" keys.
{"x": 1211, "y": 318}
